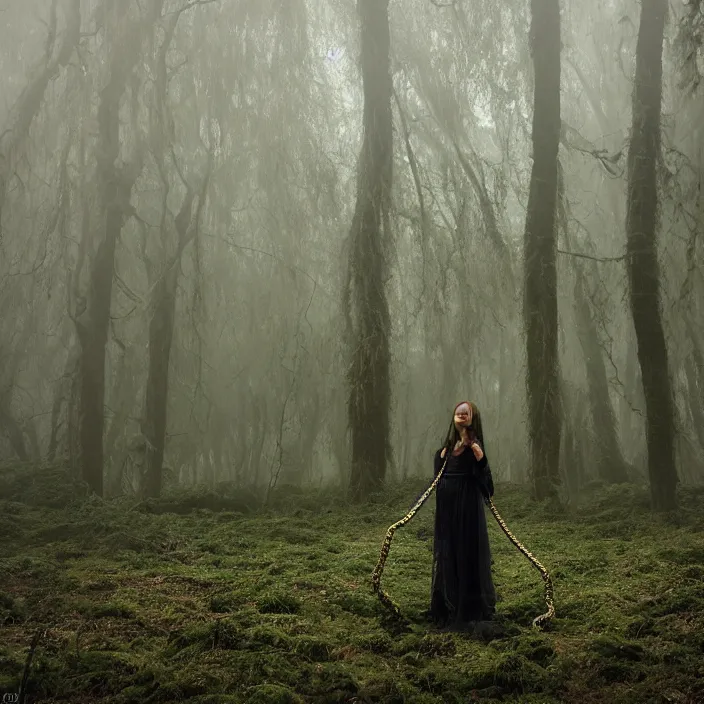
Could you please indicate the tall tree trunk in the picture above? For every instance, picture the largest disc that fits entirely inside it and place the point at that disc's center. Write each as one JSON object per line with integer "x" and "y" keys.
{"x": 365, "y": 303}
{"x": 115, "y": 187}
{"x": 122, "y": 394}
{"x": 73, "y": 422}
{"x": 310, "y": 430}
{"x": 161, "y": 329}
{"x": 540, "y": 295}
{"x": 161, "y": 333}
{"x": 643, "y": 266}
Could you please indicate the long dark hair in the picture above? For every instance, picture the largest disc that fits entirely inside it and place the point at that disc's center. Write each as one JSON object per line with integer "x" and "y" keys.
{"x": 475, "y": 429}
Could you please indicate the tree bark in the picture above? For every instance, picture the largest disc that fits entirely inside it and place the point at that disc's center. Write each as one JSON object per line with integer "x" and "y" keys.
{"x": 643, "y": 266}
{"x": 161, "y": 328}
{"x": 540, "y": 294}
{"x": 115, "y": 187}
{"x": 365, "y": 303}
{"x": 161, "y": 333}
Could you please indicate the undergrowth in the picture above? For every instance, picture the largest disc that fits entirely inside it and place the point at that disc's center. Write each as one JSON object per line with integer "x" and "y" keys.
{"x": 205, "y": 597}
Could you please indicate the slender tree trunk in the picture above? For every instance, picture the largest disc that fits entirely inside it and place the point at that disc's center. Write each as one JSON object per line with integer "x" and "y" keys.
{"x": 540, "y": 295}
{"x": 55, "y": 422}
{"x": 94, "y": 333}
{"x": 259, "y": 423}
{"x": 643, "y": 266}
{"x": 163, "y": 302}
{"x": 161, "y": 334}
{"x": 122, "y": 395}
{"x": 161, "y": 329}
{"x": 365, "y": 303}
{"x": 115, "y": 187}
{"x": 309, "y": 437}
{"x": 73, "y": 423}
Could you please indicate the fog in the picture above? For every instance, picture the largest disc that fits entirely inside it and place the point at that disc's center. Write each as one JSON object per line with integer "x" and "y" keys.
{"x": 273, "y": 243}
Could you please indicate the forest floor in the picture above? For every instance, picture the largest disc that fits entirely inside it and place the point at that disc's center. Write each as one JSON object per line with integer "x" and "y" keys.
{"x": 195, "y": 598}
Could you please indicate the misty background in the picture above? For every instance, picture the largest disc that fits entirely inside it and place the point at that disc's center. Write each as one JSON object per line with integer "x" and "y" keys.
{"x": 273, "y": 243}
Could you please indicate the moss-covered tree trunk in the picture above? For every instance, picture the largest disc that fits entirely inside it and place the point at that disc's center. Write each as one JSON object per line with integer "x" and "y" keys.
{"x": 643, "y": 266}
{"x": 540, "y": 294}
{"x": 365, "y": 305}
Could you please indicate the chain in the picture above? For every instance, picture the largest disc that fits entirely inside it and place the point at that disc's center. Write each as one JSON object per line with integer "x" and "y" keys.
{"x": 538, "y": 622}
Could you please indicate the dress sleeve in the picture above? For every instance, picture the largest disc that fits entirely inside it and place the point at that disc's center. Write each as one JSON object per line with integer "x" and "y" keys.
{"x": 485, "y": 478}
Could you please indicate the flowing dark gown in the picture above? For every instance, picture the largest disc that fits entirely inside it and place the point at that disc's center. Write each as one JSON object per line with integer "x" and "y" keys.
{"x": 462, "y": 591}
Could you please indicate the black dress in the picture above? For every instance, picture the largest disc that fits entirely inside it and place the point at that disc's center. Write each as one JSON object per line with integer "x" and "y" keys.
{"x": 462, "y": 590}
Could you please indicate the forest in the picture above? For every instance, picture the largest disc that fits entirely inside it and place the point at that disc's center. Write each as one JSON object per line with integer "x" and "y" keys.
{"x": 253, "y": 252}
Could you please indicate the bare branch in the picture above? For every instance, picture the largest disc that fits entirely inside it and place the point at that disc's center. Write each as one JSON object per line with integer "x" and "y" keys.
{"x": 588, "y": 256}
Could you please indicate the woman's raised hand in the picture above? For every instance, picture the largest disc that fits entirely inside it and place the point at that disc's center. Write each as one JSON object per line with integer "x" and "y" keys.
{"x": 477, "y": 450}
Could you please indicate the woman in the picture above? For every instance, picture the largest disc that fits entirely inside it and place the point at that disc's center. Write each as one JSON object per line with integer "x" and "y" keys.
{"x": 462, "y": 591}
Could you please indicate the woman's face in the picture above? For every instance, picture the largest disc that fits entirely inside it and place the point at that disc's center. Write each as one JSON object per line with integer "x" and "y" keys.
{"x": 463, "y": 416}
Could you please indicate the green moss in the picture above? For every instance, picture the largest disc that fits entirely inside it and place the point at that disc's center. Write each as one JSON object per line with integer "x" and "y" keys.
{"x": 615, "y": 648}
{"x": 365, "y": 605}
{"x": 272, "y": 694}
{"x": 225, "y": 603}
{"x": 192, "y": 598}
{"x": 281, "y": 603}
{"x": 377, "y": 642}
{"x": 112, "y": 610}
{"x": 312, "y": 647}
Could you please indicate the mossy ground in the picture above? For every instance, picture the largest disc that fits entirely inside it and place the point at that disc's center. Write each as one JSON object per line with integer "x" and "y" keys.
{"x": 196, "y": 598}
